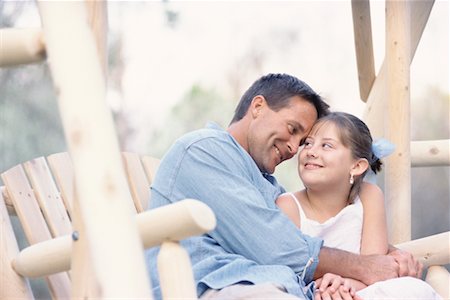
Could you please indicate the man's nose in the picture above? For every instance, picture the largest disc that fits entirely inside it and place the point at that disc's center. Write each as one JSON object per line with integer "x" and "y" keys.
{"x": 293, "y": 146}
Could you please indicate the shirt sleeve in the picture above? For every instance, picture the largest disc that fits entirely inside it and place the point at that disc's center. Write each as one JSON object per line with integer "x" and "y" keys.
{"x": 212, "y": 172}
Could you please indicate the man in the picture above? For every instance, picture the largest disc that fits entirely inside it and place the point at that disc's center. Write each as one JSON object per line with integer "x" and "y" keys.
{"x": 255, "y": 251}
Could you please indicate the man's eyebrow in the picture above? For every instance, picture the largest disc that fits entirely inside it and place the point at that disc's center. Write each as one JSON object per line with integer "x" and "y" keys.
{"x": 299, "y": 126}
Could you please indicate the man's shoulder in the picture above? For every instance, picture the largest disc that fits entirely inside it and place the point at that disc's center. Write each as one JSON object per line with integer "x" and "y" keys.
{"x": 205, "y": 137}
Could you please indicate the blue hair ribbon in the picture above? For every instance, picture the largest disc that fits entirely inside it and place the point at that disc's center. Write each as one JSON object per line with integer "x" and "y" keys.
{"x": 382, "y": 148}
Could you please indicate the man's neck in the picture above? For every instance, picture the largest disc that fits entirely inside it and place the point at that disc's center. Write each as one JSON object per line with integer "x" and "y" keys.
{"x": 239, "y": 131}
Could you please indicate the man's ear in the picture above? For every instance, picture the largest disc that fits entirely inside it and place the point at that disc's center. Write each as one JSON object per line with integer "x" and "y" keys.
{"x": 359, "y": 167}
{"x": 257, "y": 104}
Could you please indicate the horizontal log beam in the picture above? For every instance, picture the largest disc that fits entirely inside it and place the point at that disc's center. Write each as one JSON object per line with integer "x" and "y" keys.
{"x": 21, "y": 46}
{"x": 173, "y": 222}
{"x": 431, "y": 250}
{"x": 430, "y": 153}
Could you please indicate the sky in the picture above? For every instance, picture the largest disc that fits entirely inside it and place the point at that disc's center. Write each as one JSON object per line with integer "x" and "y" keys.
{"x": 226, "y": 45}
{"x": 312, "y": 40}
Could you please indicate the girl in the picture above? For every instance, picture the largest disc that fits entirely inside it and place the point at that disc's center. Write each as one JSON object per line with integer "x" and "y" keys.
{"x": 336, "y": 155}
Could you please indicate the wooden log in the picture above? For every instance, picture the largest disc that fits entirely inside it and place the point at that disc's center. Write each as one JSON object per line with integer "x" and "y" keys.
{"x": 439, "y": 278}
{"x": 173, "y": 222}
{"x": 430, "y": 250}
{"x": 430, "y": 153}
{"x": 21, "y": 46}
{"x": 398, "y": 165}
{"x": 101, "y": 188}
{"x": 175, "y": 272}
{"x": 362, "y": 29}
{"x": 374, "y": 113}
{"x": 44, "y": 258}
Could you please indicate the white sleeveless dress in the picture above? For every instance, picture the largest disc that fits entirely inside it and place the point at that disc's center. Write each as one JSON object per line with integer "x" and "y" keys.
{"x": 343, "y": 231}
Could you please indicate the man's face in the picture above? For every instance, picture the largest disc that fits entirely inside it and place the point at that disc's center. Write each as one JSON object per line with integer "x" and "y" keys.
{"x": 275, "y": 136}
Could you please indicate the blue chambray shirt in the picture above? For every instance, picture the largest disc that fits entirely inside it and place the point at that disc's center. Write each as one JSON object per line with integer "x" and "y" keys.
{"x": 253, "y": 242}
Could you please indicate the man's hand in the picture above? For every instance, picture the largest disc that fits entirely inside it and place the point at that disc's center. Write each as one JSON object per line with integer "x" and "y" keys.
{"x": 408, "y": 264}
{"x": 378, "y": 268}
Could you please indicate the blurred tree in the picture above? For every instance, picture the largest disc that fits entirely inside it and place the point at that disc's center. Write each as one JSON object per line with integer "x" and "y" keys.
{"x": 199, "y": 106}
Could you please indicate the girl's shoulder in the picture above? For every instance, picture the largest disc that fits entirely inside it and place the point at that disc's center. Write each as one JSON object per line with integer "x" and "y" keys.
{"x": 370, "y": 193}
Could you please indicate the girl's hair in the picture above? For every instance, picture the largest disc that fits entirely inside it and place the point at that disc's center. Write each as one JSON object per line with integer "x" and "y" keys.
{"x": 355, "y": 135}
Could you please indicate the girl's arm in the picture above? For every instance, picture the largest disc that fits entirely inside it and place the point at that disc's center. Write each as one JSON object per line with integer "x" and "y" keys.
{"x": 374, "y": 232}
{"x": 287, "y": 205}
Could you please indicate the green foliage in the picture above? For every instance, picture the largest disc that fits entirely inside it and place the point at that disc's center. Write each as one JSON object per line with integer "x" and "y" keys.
{"x": 29, "y": 119}
{"x": 195, "y": 109}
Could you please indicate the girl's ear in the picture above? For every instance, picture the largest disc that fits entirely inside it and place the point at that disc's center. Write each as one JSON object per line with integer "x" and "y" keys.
{"x": 359, "y": 167}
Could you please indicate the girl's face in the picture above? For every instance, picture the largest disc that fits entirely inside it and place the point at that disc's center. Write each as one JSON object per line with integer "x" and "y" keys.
{"x": 324, "y": 162}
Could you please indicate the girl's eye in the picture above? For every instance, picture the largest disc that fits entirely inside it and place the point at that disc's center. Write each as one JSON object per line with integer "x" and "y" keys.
{"x": 307, "y": 144}
{"x": 327, "y": 146}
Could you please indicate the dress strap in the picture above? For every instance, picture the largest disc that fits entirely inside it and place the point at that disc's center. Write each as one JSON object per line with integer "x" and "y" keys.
{"x": 300, "y": 209}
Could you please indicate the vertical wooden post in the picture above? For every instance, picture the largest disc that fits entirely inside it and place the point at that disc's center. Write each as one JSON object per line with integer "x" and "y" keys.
{"x": 397, "y": 129}
{"x": 105, "y": 204}
{"x": 84, "y": 278}
{"x": 362, "y": 28}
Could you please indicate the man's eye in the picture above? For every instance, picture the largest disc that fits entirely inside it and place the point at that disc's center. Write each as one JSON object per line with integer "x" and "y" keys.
{"x": 291, "y": 129}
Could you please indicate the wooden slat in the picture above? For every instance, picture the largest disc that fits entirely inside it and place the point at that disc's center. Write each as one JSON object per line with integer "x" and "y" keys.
{"x": 137, "y": 181}
{"x": 151, "y": 165}
{"x": 362, "y": 29}
{"x": 48, "y": 197}
{"x": 26, "y": 205}
{"x": 62, "y": 169}
{"x": 33, "y": 222}
{"x": 8, "y": 202}
{"x": 12, "y": 286}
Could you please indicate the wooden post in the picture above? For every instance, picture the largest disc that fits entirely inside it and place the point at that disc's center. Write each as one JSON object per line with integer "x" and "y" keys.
{"x": 175, "y": 272}
{"x": 374, "y": 113}
{"x": 101, "y": 188}
{"x": 439, "y": 278}
{"x": 362, "y": 28}
{"x": 397, "y": 129}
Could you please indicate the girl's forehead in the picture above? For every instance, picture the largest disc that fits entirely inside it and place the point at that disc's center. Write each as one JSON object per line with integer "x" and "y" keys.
{"x": 324, "y": 128}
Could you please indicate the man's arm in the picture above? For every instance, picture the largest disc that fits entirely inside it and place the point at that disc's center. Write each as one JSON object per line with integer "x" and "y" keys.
{"x": 365, "y": 268}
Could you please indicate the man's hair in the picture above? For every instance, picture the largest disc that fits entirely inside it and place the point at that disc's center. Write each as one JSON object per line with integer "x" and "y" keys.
{"x": 277, "y": 89}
